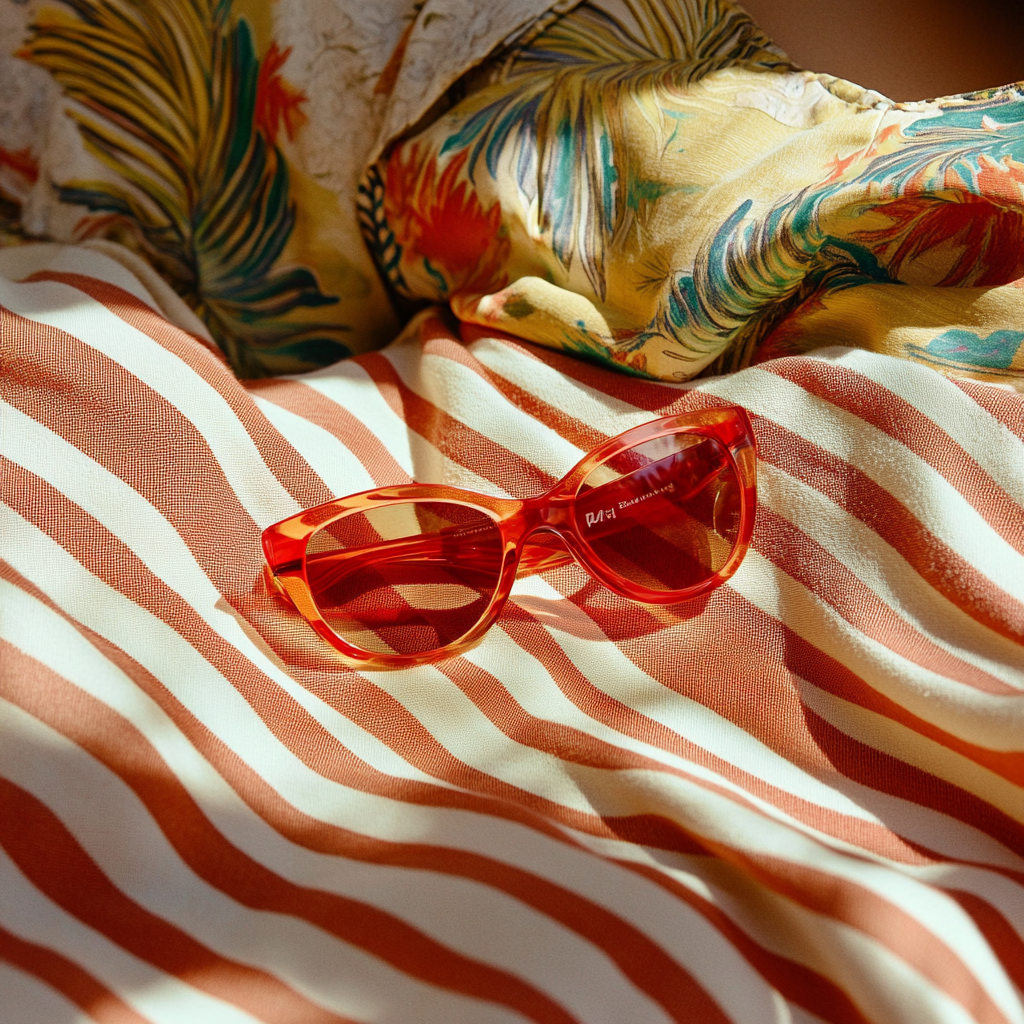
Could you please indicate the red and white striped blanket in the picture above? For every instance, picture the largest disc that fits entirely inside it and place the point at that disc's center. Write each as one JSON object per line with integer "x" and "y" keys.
{"x": 802, "y": 802}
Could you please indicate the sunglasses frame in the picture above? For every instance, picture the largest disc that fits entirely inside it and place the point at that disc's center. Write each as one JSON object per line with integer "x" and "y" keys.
{"x": 522, "y": 524}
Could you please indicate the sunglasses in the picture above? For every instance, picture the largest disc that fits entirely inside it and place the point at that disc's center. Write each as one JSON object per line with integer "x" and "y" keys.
{"x": 409, "y": 574}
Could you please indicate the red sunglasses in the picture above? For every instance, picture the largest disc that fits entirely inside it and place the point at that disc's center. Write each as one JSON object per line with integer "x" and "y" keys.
{"x": 409, "y": 574}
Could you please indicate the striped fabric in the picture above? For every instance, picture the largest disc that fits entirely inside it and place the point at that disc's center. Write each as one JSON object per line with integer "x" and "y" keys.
{"x": 801, "y": 801}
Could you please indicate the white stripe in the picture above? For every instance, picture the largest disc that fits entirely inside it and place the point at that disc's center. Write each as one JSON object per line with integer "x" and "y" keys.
{"x": 682, "y": 932}
{"x": 159, "y": 546}
{"x": 834, "y": 949}
{"x": 349, "y": 386}
{"x": 911, "y": 747}
{"x": 94, "y": 804}
{"x": 611, "y": 672}
{"x": 28, "y": 1000}
{"x": 60, "y": 306}
{"x": 107, "y": 498}
{"x": 879, "y": 981}
{"x": 468, "y": 398}
{"x": 934, "y": 829}
{"x": 604, "y": 665}
{"x": 339, "y": 470}
{"x": 994, "y": 888}
{"x": 160, "y": 997}
{"x": 990, "y": 720}
{"x": 459, "y": 725}
{"x": 995, "y": 448}
{"x": 884, "y": 571}
{"x": 939, "y": 506}
{"x": 416, "y": 895}
{"x": 597, "y": 410}
{"x": 17, "y": 262}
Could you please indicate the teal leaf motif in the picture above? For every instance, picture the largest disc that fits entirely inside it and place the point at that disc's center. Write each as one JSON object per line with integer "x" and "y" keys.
{"x": 563, "y": 113}
{"x": 995, "y": 351}
{"x": 164, "y": 94}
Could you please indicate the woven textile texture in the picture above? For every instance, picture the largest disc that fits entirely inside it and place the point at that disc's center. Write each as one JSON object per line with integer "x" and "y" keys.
{"x": 798, "y": 802}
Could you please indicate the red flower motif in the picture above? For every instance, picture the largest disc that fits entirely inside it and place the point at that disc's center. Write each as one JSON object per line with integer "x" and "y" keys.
{"x": 984, "y": 239}
{"x": 21, "y": 163}
{"x": 277, "y": 101}
{"x": 441, "y": 220}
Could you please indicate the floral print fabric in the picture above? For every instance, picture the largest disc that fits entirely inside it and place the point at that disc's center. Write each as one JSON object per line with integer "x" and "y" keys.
{"x": 652, "y": 184}
{"x": 224, "y": 141}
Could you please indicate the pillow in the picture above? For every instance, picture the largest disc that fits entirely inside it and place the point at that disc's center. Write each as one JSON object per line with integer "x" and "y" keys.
{"x": 224, "y": 140}
{"x": 654, "y": 186}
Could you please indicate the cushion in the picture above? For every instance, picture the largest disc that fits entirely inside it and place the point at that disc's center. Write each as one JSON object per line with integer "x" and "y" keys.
{"x": 224, "y": 140}
{"x": 653, "y": 184}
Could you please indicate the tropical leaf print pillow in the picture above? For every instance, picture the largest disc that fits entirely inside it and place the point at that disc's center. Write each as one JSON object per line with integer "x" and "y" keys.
{"x": 653, "y": 185}
{"x": 224, "y": 141}
{"x": 188, "y": 119}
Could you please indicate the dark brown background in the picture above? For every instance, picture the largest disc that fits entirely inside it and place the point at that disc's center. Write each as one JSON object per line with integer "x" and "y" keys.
{"x": 905, "y": 49}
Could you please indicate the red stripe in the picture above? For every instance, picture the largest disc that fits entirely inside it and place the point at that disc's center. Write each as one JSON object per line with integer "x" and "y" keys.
{"x": 453, "y": 438}
{"x": 654, "y": 396}
{"x": 1004, "y": 406}
{"x": 359, "y": 700}
{"x": 851, "y": 904}
{"x": 286, "y": 464}
{"x": 56, "y": 864}
{"x": 758, "y": 665}
{"x": 945, "y": 570}
{"x": 861, "y": 908}
{"x": 640, "y": 828}
{"x": 89, "y": 994}
{"x": 901, "y": 421}
{"x": 792, "y": 740}
{"x": 577, "y": 747}
{"x": 254, "y": 789}
{"x": 856, "y": 493}
{"x": 438, "y": 341}
{"x": 639, "y": 958}
{"x": 130, "y": 430}
{"x": 800, "y": 984}
{"x": 309, "y": 404}
{"x": 116, "y": 743}
{"x": 112, "y": 561}
{"x": 817, "y": 569}
{"x": 1005, "y": 942}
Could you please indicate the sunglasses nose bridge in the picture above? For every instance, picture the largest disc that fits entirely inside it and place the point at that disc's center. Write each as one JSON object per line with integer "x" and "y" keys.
{"x": 549, "y": 514}
{"x": 555, "y": 511}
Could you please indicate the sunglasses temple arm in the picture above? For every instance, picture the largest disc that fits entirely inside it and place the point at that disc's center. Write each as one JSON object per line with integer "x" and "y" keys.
{"x": 599, "y": 497}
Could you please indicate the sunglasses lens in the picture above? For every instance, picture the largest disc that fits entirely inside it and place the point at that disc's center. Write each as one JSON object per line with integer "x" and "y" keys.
{"x": 664, "y": 515}
{"x": 406, "y": 578}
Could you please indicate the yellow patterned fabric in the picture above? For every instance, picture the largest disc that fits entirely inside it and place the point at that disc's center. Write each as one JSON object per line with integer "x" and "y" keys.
{"x": 654, "y": 185}
{"x": 223, "y": 141}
